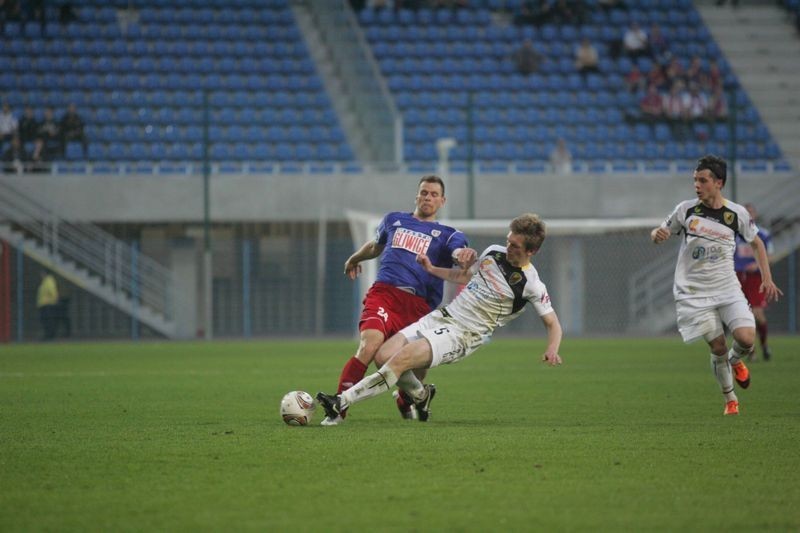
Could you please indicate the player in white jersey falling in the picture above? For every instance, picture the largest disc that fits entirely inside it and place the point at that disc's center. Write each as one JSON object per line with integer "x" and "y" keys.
{"x": 707, "y": 291}
{"x": 498, "y": 287}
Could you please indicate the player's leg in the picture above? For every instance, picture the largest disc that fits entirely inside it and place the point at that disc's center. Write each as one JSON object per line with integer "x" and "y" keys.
{"x": 760, "y": 315}
{"x": 739, "y": 319}
{"x": 414, "y": 354}
{"x": 723, "y": 373}
{"x": 356, "y": 367}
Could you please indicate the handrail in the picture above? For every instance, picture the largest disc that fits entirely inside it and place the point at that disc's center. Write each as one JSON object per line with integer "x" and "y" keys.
{"x": 102, "y": 255}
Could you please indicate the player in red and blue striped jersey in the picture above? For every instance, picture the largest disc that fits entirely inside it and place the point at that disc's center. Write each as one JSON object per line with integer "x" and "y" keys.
{"x": 403, "y": 291}
{"x": 744, "y": 262}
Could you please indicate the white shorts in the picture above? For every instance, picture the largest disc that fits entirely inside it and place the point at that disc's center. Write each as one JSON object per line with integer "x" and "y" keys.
{"x": 449, "y": 342}
{"x": 704, "y": 317}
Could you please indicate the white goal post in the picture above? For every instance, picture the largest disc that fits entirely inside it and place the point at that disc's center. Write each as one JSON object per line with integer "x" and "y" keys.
{"x": 596, "y": 270}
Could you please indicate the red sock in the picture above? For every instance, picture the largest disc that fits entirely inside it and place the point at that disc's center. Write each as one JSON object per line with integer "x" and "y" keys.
{"x": 353, "y": 372}
{"x": 762, "y": 333}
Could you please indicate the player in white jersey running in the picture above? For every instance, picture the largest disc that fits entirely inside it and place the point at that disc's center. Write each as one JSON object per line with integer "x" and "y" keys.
{"x": 707, "y": 291}
{"x": 498, "y": 287}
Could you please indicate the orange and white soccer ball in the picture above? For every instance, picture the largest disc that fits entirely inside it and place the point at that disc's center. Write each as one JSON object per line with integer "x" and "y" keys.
{"x": 297, "y": 408}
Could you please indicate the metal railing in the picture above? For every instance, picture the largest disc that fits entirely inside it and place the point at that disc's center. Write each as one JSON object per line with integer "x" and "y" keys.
{"x": 363, "y": 84}
{"x": 106, "y": 259}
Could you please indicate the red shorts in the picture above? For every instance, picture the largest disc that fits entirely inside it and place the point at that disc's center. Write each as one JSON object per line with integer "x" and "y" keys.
{"x": 751, "y": 283}
{"x": 390, "y": 309}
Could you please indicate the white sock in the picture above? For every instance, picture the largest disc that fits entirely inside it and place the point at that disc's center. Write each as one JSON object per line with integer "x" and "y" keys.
{"x": 738, "y": 351}
{"x": 411, "y": 385}
{"x": 381, "y": 381}
{"x": 722, "y": 371}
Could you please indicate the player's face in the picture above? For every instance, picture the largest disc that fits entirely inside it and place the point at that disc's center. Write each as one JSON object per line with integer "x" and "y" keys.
{"x": 515, "y": 250}
{"x": 706, "y": 186}
{"x": 429, "y": 200}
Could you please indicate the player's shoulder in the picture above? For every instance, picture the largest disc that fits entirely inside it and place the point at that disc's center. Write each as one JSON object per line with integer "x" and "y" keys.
{"x": 686, "y": 205}
{"x": 493, "y": 249}
{"x": 739, "y": 209}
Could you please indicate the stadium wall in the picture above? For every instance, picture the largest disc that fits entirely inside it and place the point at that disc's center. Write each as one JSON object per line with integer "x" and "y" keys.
{"x": 283, "y": 197}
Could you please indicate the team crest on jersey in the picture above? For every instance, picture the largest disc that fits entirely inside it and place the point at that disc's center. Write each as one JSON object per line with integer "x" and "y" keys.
{"x": 728, "y": 218}
{"x": 412, "y": 241}
{"x": 514, "y": 278}
{"x": 436, "y": 232}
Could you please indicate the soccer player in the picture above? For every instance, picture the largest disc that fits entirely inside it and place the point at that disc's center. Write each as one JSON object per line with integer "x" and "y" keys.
{"x": 403, "y": 291}
{"x": 750, "y": 277}
{"x": 503, "y": 281}
{"x": 707, "y": 292}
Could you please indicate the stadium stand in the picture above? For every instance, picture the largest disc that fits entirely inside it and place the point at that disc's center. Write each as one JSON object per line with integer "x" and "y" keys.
{"x": 137, "y": 72}
{"x": 139, "y": 80}
{"x": 453, "y": 75}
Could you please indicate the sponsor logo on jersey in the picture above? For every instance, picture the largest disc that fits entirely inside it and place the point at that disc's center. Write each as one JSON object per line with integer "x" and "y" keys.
{"x": 728, "y": 218}
{"x": 701, "y": 228}
{"x": 545, "y": 299}
{"x": 412, "y": 241}
{"x": 397, "y": 223}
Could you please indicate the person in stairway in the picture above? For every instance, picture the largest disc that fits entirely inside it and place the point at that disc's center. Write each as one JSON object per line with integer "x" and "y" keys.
{"x": 47, "y": 304}
{"x": 498, "y": 287}
{"x": 403, "y": 291}
{"x": 706, "y": 290}
{"x": 750, "y": 277}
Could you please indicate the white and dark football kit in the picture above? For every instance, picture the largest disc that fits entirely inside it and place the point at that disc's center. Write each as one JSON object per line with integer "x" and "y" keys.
{"x": 496, "y": 295}
{"x": 707, "y": 291}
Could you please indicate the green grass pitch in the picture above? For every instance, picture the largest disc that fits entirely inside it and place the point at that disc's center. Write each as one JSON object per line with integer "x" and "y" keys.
{"x": 627, "y": 435}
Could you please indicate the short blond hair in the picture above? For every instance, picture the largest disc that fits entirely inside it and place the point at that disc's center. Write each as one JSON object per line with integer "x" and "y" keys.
{"x": 532, "y": 228}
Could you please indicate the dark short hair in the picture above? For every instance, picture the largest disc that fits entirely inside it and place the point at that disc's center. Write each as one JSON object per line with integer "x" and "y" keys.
{"x": 715, "y": 164}
{"x": 432, "y": 178}
{"x": 532, "y": 228}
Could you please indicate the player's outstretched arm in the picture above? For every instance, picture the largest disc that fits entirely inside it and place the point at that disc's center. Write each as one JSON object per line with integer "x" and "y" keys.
{"x": 659, "y": 235}
{"x": 554, "y": 334}
{"x": 459, "y": 276}
{"x": 370, "y": 250}
{"x": 768, "y": 287}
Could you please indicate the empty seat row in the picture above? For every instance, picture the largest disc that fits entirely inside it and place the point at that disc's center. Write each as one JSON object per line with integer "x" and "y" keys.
{"x": 162, "y": 82}
{"x": 76, "y": 48}
{"x": 217, "y": 132}
{"x": 285, "y": 151}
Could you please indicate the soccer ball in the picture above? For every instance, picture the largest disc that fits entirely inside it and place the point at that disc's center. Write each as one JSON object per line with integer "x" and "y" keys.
{"x": 297, "y": 408}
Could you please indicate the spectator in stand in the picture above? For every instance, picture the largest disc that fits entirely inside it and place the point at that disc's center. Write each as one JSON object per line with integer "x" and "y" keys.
{"x": 674, "y": 72}
{"x": 698, "y": 104}
{"x": 657, "y": 78}
{"x": 527, "y": 59}
{"x": 659, "y": 47}
{"x": 72, "y": 129}
{"x": 717, "y": 105}
{"x": 608, "y": 5}
{"x": 568, "y": 12}
{"x": 676, "y": 110}
{"x": 28, "y": 126}
{"x": 66, "y": 14}
{"x": 586, "y": 58}
{"x": 48, "y": 141}
{"x": 695, "y": 73}
{"x": 534, "y": 13}
{"x": 651, "y": 106}
{"x": 635, "y": 41}
{"x": 11, "y": 10}
{"x": 15, "y": 158}
{"x": 8, "y": 125}
{"x": 635, "y": 80}
{"x": 714, "y": 77}
{"x": 561, "y": 158}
